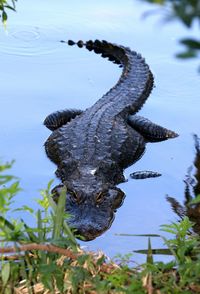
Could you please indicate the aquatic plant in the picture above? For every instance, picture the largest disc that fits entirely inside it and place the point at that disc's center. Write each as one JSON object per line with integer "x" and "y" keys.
{"x": 191, "y": 206}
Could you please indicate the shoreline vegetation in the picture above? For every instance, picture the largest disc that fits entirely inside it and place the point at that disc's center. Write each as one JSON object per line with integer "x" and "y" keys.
{"x": 47, "y": 258}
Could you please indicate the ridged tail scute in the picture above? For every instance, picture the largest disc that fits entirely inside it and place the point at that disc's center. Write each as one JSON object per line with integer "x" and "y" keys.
{"x": 107, "y": 50}
{"x": 136, "y": 81}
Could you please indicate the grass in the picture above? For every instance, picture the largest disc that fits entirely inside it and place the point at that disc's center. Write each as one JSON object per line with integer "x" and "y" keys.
{"x": 46, "y": 258}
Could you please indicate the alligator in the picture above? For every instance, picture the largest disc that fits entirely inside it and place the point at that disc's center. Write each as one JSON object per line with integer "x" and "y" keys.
{"x": 92, "y": 148}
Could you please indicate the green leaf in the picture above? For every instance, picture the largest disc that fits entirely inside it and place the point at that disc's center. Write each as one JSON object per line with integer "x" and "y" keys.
{"x": 101, "y": 260}
{"x": 29, "y": 231}
{"x": 25, "y": 208}
{"x": 82, "y": 259}
{"x": 10, "y": 7}
{"x": 5, "y": 223}
{"x": 44, "y": 203}
{"x": 168, "y": 230}
{"x": 13, "y": 3}
{"x": 51, "y": 202}
{"x": 7, "y": 165}
{"x": 5, "y": 178}
{"x": 193, "y": 44}
{"x": 196, "y": 200}
{"x": 50, "y": 184}
{"x": 5, "y": 273}
{"x": 4, "y": 16}
{"x": 59, "y": 277}
{"x": 187, "y": 54}
{"x": 14, "y": 188}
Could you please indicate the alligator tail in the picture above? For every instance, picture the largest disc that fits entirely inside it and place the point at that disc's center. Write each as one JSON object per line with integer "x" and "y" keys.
{"x": 136, "y": 81}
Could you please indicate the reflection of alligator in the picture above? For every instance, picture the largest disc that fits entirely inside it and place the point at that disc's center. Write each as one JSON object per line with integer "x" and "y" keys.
{"x": 92, "y": 148}
{"x": 191, "y": 207}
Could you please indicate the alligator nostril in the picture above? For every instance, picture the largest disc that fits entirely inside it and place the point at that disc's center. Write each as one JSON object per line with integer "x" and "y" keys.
{"x": 87, "y": 233}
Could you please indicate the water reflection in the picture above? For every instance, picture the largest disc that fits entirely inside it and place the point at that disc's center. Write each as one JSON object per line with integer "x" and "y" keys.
{"x": 191, "y": 207}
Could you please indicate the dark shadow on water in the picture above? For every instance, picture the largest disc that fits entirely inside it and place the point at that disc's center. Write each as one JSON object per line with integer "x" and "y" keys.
{"x": 191, "y": 205}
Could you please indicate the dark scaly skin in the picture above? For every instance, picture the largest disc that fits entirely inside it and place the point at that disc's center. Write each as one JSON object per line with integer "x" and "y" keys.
{"x": 92, "y": 148}
{"x": 144, "y": 175}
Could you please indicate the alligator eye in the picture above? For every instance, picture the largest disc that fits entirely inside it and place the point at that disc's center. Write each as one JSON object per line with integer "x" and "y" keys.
{"x": 56, "y": 191}
{"x": 116, "y": 196}
{"x": 73, "y": 196}
{"x": 100, "y": 197}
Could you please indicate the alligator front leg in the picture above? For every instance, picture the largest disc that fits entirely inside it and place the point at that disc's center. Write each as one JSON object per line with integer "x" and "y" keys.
{"x": 149, "y": 130}
{"x": 59, "y": 118}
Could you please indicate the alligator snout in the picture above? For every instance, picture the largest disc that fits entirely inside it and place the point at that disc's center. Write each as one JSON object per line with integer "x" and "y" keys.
{"x": 87, "y": 230}
{"x": 87, "y": 233}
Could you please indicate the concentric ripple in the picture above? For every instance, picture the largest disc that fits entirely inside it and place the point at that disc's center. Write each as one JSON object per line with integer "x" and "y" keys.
{"x": 29, "y": 40}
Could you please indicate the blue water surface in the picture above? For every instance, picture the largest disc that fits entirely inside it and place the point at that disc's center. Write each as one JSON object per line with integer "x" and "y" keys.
{"x": 40, "y": 75}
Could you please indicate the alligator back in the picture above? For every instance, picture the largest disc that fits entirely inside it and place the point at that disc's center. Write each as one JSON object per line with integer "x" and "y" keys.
{"x": 101, "y": 132}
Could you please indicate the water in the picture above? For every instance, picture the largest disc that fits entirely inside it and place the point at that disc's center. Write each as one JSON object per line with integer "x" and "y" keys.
{"x": 40, "y": 75}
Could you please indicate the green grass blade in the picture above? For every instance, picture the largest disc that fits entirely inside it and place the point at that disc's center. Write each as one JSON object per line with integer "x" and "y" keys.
{"x": 41, "y": 230}
{"x": 149, "y": 253}
{"x": 51, "y": 202}
{"x": 5, "y": 222}
{"x": 139, "y": 235}
{"x": 29, "y": 231}
{"x": 71, "y": 235}
{"x": 161, "y": 251}
{"x": 59, "y": 215}
{"x": 66, "y": 228}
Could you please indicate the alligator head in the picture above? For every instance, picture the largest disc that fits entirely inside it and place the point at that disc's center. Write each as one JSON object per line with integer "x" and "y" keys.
{"x": 91, "y": 210}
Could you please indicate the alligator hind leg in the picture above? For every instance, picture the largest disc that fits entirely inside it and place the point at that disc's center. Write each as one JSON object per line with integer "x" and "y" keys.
{"x": 149, "y": 130}
{"x": 59, "y": 118}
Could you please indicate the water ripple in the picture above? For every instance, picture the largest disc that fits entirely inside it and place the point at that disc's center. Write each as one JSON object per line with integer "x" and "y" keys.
{"x": 29, "y": 40}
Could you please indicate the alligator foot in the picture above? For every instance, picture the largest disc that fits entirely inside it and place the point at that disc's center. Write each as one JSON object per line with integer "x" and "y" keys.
{"x": 144, "y": 175}
{"x": 57, "y": 119}
{"x": 149, "y": 130}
